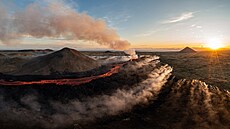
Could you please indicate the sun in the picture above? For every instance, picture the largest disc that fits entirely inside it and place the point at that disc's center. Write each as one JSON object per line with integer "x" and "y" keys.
{"x": 214, "y": 43}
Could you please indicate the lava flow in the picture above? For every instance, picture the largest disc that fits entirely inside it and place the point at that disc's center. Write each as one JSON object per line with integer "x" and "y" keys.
{"x": 72, "y": 82}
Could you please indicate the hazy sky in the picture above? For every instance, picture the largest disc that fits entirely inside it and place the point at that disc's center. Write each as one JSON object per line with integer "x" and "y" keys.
{"x": 146, "y": 23}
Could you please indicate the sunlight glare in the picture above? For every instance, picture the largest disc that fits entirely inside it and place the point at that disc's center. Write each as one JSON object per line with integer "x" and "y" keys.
{"x": 214, "y": 43}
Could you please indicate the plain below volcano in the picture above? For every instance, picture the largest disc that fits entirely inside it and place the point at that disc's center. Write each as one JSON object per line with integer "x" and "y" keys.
{"x": 65, "y": 60}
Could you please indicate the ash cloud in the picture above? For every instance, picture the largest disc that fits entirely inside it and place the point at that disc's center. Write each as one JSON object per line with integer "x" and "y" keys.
{"x": 55, "y": 20}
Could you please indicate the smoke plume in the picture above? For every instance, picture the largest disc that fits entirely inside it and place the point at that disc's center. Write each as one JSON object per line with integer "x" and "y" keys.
{"x": 56, "y": 20}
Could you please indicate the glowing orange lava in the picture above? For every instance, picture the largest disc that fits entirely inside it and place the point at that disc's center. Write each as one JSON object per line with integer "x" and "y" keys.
{"x": 72, "y": 82}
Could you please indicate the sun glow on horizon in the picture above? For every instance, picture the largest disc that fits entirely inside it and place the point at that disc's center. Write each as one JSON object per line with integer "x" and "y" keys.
{"x": 214, "y": 43}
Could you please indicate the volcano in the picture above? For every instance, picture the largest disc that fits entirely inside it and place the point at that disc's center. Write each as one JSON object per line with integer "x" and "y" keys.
{"x": 187, "y": 50}
{"x": 65, "y": 60}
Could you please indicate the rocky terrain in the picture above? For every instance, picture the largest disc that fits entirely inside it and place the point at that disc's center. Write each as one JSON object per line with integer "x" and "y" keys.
{"x": 181, "y": 104}
{"x": 143, "y": 94}
{"x": 212, "y": 67}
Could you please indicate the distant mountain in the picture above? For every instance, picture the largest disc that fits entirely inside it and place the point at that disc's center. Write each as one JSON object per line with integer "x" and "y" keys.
{"x": 187, "y": 50}
{"x": 65, "y": 60}
{"x": 36, "y": 50}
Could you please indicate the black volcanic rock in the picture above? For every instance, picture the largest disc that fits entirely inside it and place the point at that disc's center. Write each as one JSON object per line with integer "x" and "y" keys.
{"x": 2, "y": 55}
{"x": 187, "y": 50}
{"x": 65, "y": 60}
{"x": 108, "y": 52}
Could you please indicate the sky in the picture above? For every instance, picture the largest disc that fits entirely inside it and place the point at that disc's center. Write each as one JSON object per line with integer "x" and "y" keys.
{"x": 144, "y": 23}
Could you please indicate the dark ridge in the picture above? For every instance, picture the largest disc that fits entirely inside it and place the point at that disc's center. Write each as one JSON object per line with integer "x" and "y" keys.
{"x": 100, "y": 70}
{"x": 36, "y": 50}
{"x": 108, "y": 52}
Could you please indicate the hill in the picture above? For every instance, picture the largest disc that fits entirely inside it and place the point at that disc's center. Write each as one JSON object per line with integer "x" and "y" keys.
{"x": 65, "y": 60}
{"x": 187, "y": 50}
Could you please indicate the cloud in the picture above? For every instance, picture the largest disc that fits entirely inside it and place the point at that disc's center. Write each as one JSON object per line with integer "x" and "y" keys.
{"x": 56, "y": 19}
{"x": 182, "y": 17}
{"x": 114, "y": 19}
{"x": 196, "y": 26}
{"x": 146, "y": 34}
{"x": 152, "y": 32}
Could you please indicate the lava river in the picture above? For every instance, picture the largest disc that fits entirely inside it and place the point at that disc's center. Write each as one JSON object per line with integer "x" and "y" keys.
{"x": 72, "y": 82}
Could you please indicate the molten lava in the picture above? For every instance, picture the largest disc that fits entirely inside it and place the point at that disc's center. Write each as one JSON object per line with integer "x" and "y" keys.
{"x": 72, "y": 82}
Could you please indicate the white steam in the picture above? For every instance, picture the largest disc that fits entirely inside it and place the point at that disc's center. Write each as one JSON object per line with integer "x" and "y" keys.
{"x": 132, "y": 53}
{"x": 197, "y": 105}
{"x": 120, "y": 100}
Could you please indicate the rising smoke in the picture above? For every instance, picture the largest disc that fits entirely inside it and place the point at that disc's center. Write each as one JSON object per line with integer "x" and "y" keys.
{"x": 56, "y": 20}
{"x": 132, "y": 53}
{"x": 87, "y": 109}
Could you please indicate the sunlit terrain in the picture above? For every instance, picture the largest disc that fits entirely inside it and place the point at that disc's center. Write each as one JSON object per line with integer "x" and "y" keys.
{"x": 211, "y": 67}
